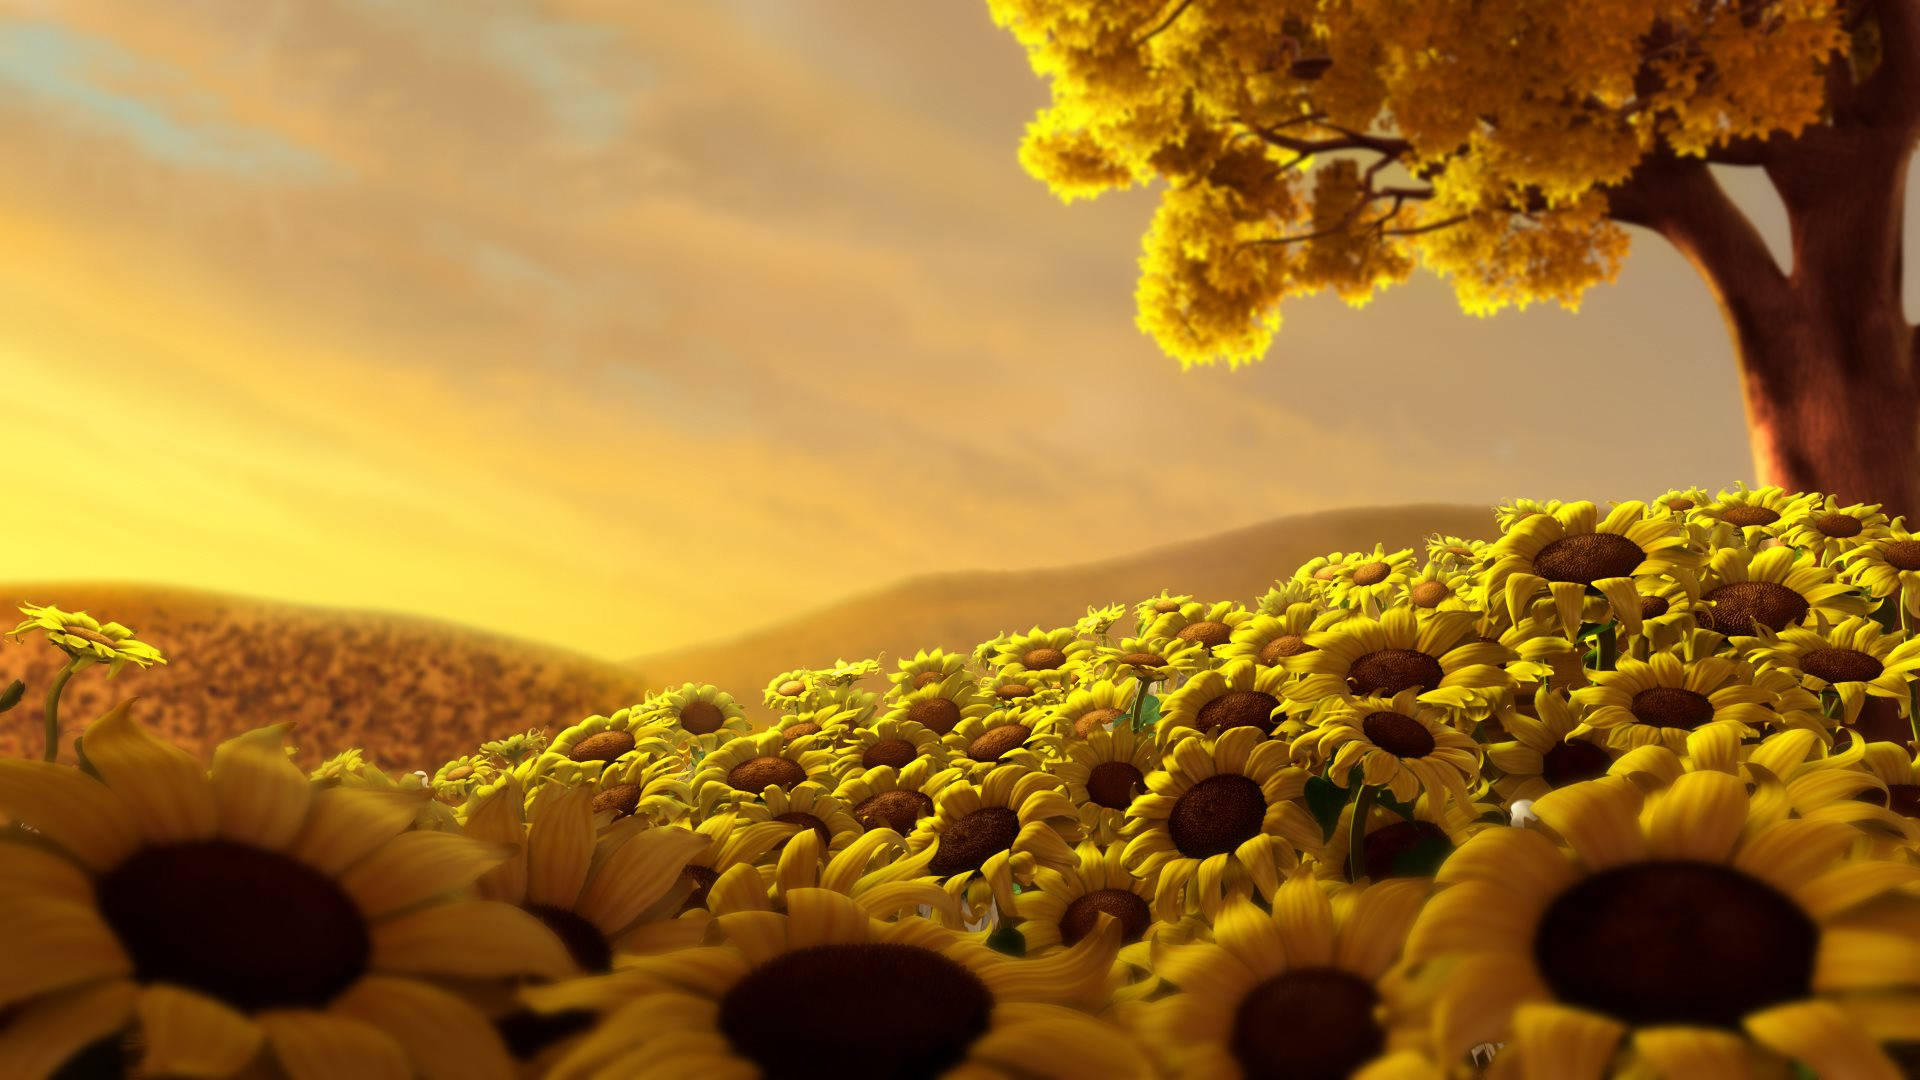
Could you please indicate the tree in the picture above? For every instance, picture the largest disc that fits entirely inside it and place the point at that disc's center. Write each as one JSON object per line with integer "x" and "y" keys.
{"x": 1309, "y": 144}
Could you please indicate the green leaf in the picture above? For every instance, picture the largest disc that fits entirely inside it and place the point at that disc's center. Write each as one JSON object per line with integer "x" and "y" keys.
{"x": 11, "y": 695}
{"x": 1324, "y": 799}
{"x": 1149, "y": 713}
{"x": 86, "y": 766}
{"x": 1588, "y": 630}
{"x": 1423, "y": 858}
{"x": 1007, "y": 940}
{"x": 1385, "y": 798}
{"x": 1802, "y": 1072}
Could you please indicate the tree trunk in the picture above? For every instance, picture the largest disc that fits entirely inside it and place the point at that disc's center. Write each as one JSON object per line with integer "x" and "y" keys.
{"x": 1829, "y": 367}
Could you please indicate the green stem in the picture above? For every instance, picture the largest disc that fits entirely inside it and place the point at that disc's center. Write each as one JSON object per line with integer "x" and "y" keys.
{"x": 1139, "y": 700}
{"x": 1609, "y": 648}
{"x": 53, "y": 710}
{"x": 1913, "y": 686}
{"x": 1357, "y": 834}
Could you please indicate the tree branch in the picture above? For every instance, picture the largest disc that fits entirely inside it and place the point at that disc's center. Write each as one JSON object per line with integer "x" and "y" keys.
{"x": 1178, "y": 10}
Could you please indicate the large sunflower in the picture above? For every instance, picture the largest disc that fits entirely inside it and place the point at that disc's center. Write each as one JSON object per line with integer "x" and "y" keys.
{"x": 1436, "y": 651}
{"x": 1210, "y": 625}
{"x": 1567, "y": 553}
{"x": 162, "y": 896}
{"x": 750, "y": 764}
{"x": 1269, "y": 639}
{"x": 1749, "y": 517}
{"x": 1662, "y": 701}
{"x": 1148, "y": 611}
{"x": 1402, "y": 746}
{"x": 813, "y": 807}
{"x": 1303, "y": 991}
{"x": 1023, "y": 736}
{"x": 894, "y": 742}
{"x": 883, "y": 797}
{"x": 702, "y": 715}
{"x": 1852, "y": 660}
{"x": 599, "y": 741}
{"x": 941, "y": 706}
{"x": 907, "y": 999}
{"x": 1219, "y": 818}
{"x": 1544, "y": 753}
{"x": 1237, "y": 694}
{"x": 1097, "y": 706}
{"x": 925, "y": 667}
{"x": 86, "y": 640}
{"x": 1889, "y": 567}
{"x": 1103, "y": 773}
{"x": 1439, "y": 586}
{"x": 1830, "y": 530}
{"x": 1775, "y": 588}
{"x": 1369, "y": 582}
{"x": 1063, "y": 907}
{"x": 1283, "y": 595}
{"x": 1695, "y": 933}
{"x": 1156, "y": 660}
{"x": 1043, "y": 656}
{"x": 985, "y": 836}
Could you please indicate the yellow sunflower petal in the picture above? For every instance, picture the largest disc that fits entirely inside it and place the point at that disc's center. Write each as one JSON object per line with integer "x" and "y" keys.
{"x": 27, "y": 870}
{"x": 1821, "y": 1034}
{"x": 1304, "y": 920}
{"x": 1598, "y": 818}
{"x": 1557, "y": 1042}
{"x": 191, "y": 1033}
{"x": 446, "y": 1038}
{"x": 1039, "y": 1040}
{"x": 1478, "y": 1001}
{"x": 1251, "y": 936}
{"x": 1698, "y": 818}
{"x": 637, "y": 874}
{"x": 162, "y": 785}
{"x": 415, "y": 866}
{"x": 315, "y": 1046}
{"x": 48, "y": 1031}
{"x": 1694, "y": 1052}
{"x": 1853, "y": 883}
{"x": 1855, "y": 959}
{"x": 469, "y": 937}
{"x": 261, "y": 797}
{"x": 53, "y": 944}
{"x": 344, "y": 824}
{"x": 70, "y": 808}
{"x": 560, "y": 846}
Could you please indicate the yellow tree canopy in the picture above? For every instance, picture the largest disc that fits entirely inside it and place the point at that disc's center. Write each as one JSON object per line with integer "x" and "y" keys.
{"x": 1506, "y": 120}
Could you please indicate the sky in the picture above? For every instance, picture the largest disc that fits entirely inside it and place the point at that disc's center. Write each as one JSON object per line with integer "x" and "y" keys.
{"x": 629, "y": 327}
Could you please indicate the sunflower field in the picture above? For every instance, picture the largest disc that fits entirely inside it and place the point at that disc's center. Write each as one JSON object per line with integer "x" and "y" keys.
{"x": 1628, "y": 793}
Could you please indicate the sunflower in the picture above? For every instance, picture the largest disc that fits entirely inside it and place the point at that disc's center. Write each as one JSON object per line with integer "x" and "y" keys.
{"x": 1405, "y": 747}
{"x": 1454, "y": 553}
{"x": 1899, "y": 772}
{"x": 1219, "y": 818}
{"x": 1104, "y": 772}
{"x": 1436, "y": 651}
{"x": 1398, "y": 844}
{"x": 1303, "y": 991}
{"x": 1097, "y": 621}
{"x": 1238, "y": 694}
{"x": 1889, "y": 566}
{"x": 653, "y": 791}
{"x": 1540, "y": 652}
{"x": 601, "y": 895}
{"x": 1661, "y": 701}
{"x": 162, "y": 895}
{"x": 985, "y": 836}
{"x": 909, "y": 998}
{"x": 455, "y": 780}
{"x": 846, "y": 672}
{"x": 1367, "y": 583}
{"x": 1006, "y": 688}
{"x": 1830, "y": 530}
{"x": 1100, "y": 706}
{"x": 1679, "y": 501}
{"x": 984, "y": 652}
{"x": 855, "y": 871}
{"x": 1693, "y": 933}
{"x": 1270, "y": 639}
{"x": 1155, "y": 660}
{"x": 1514, "y": 511}
{"x": 1741, "y": 588}
{"x": 1319, "y": 572}
{"x": 833, "y": 723}
{"x": 925, "y": 667}
{"x": 701, "y": 716}
{"x": 811, "y": 806}
{"x": 599, "y": 741}
{"x": 1852, "y": 660}
{"x": 750, "y": 764}
{"x": 1438, "y": 586}
{"x": 1567, "y": 553}
{"x": 1285, "y": 594}
{"x": 1149, "y": 611}
{"x": 1211, "y": 626}
{"x": 859, "y": 704}
{"x": 730, "y": 841}
{"x": 794, "y": 689}
{"x": 1062, "y": 908}
{"x": 1544, "y": 754}
{"x": 514, "y": 749}
{"x": 1746, "y": 518}
{"x": 87, "y": 641}
{"x": 940, "y": 707}
{"x": 895, "y": 742}
{"x": 883, "y": 797}
{"x": 1042, "y": 656}
{"x": 1028, "y": 737}
{"x": 1668, "y": 606}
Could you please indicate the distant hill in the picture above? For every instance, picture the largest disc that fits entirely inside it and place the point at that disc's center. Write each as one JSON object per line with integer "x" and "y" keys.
{"x": 412, "y": 692}
{"x": 957, "y": 611}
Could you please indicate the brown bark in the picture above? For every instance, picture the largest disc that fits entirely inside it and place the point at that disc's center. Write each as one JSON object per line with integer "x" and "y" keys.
{"x": 1830, "y": 368}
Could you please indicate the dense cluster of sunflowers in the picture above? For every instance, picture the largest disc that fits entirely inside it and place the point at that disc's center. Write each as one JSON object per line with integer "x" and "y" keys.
{"x": 1619, "y": 794}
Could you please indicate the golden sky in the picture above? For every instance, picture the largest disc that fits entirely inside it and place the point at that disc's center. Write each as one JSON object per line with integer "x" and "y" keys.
{"x": 629, "y": 326}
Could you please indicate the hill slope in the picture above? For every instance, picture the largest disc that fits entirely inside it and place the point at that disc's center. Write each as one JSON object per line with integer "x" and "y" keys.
{"x": 958, "y": 611}
{"x": 412, "y": 692}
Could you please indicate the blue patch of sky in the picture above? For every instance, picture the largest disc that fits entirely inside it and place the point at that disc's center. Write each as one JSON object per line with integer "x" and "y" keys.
{"x": 75, "y": 72}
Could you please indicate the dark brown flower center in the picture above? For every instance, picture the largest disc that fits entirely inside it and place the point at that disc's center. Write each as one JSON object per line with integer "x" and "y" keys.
{"x": 458, "y": 773}
{"x": 997, "y": 741}
{"x": 1840, "y": 525}
{"x": 969, "y": 842}
{"x": 1902, "y": 554}
{"x": 1166, "y": 606}
{"x": 1670, "y": 707}
{"x": 1738, "y": 603}
{"x": 1089, "y": 722}
{"x": 1131, "y": 912}
{"x": 892, "y": 752}
{"x": 1572, "y": 761}
{"x": 1386, "y": 844}
{"x": 805, "y": 820}
{"x": 800, "y": 730}
{"x": 1372, "y": 573}
{"x": 1398, "y": 734}
{"x": 1679, "y": 503}
{"x": 1326, "y": 573}
{"x": 1208, "y": 633}
{"x": 1841, "y": 665}
{"x": 1652, "y": 607}
{"x": 1389, "y": 671}
{"x": 1142, "y": 659}
{"x": 926, "y": 678}
{"x": 1675, "y": 943}
{"x": 1014, "y": 690}
{"x": 253, "y": 928}
{"x": 754, "y": 774}
{"x": 1237, "y": 708}
{"x": 1043, "y": 659}
{"x": 1307, "y": 1024}
{"x": 936, "y": 714}
{"x": 897, "y": 810}
{"x": 918, "y": 1012}
{"x": 701, "y": 718}
{"x": 603, "y": 746}
{"x": 1747, "y": 516}
{"x": 1427, "y": 593}
{"x": 85, "y": 634}
{"x": 703, "y": 878}
{"x": 619, "y": 798}
{"x": 792, "y": 688}
{"x": 1217, "y": 815}
{"x": 1113, "y": 784}
{"x": 1281, "y": 647}
{"x": 584, "y": 941}
{"x": 1588, "y": 557}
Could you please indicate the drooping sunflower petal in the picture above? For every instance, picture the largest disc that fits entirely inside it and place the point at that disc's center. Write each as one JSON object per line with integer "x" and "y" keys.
{"x": 316, "y": 1046}
{"x": 193, "y": 1034}
{"x": 480, "y": 938}
{"x": 1052, "y": 1041}
{"x": 1821, "y": 1034}
{"x": 415, "y": 866}
{"x": 1599, "y": 818}
{"x": 50, "y": 1029}
{"x": 1698, "y": 818}
{"x": 560, "y": 845}
{"x": 261, "y": 797}
{"x": 1695, "y": 1052}
{"x": 53, "y": 944}
{"x": 447, "y": 1038}
{"x": 638, "y": 873}
{"x": 163, "y": 786}
{"x": 70, "y": 808}
{"x": 344, "y": 824}
{"x": 1555, "y": 1041}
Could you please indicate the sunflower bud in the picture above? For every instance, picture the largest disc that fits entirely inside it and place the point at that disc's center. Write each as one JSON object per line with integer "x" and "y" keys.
{"x": 11, "y": 695}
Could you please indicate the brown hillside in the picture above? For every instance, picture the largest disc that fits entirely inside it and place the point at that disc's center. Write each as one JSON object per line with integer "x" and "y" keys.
{"x": 958, "y": 611}
{"x": 412, "y": 692}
